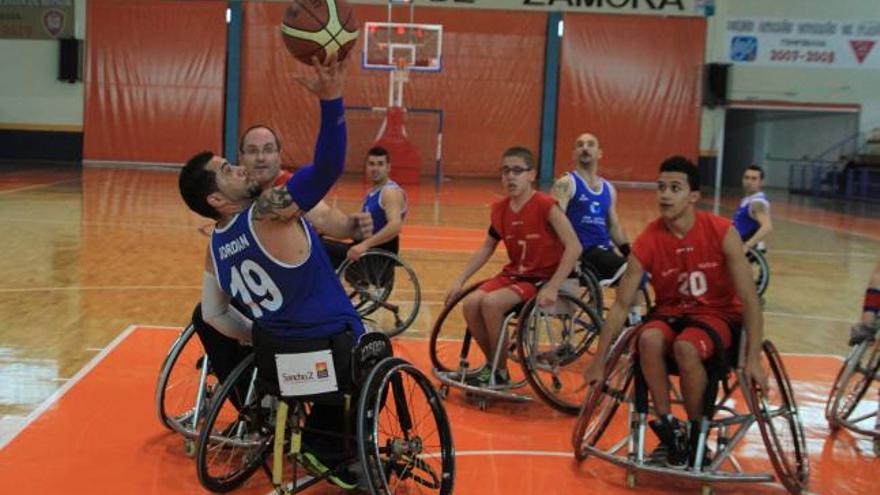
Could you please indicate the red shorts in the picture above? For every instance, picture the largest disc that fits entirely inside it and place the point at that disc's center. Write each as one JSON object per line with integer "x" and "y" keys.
{"x": 695, "y": 335}
{"x": 525, "y": 290}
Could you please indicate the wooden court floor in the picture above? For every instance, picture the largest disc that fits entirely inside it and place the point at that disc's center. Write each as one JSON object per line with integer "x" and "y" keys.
{"x": 91, "y": 252}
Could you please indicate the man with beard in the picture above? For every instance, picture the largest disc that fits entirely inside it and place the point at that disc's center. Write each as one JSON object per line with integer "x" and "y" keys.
{"x": 589, "y": 202}
{"x": 541, "y": 246}
{"x": 263, "y": 254}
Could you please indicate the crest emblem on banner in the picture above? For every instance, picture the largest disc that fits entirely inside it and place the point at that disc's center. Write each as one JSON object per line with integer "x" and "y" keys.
{"x": 53, "y": 22}
{"x": 861, "y": 48}
{"x": 744, "y": 48}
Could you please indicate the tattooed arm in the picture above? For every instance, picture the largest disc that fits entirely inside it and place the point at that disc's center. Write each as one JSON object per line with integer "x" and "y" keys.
{"x": 276, "y": 205}
{"x": 562, "y": 191}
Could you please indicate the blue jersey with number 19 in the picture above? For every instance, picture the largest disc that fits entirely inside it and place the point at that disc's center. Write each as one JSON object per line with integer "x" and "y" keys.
{"x": 291, "y": 302}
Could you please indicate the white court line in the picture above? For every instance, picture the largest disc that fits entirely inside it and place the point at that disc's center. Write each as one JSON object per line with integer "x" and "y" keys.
{"x": 37, "y": 186}
{"x": 8, "y": 436}
{"x": 808, "y": 317}
{"x": 98, "y": 288}
{"x": 839, "y": 254}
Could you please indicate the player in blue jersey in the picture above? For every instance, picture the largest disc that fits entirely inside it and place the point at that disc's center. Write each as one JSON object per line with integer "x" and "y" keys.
{"x": 263, "y": 254}
{"x": 589, "y": 202}
{"x": 752, "y": 218}
{"x": 385, "y": 204}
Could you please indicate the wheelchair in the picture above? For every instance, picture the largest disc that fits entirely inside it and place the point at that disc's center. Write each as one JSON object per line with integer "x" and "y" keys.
{"x": 844, "y": 408}
{"x": 398, "y": 439}
{"x": 726, "y": 421}
{"x": 760, "y": 270}
{"x": 184, "y": 387}
{"x": 383, "y": 289}
{"x": 550, "y": 345}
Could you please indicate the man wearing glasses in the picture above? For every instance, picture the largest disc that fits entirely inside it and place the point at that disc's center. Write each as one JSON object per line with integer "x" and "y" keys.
{"x": 589, "y": 203}
{"x": 541, "y": 245}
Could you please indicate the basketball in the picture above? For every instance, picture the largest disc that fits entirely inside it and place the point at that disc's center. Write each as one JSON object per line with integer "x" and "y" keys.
{"x": 319, "y": 28}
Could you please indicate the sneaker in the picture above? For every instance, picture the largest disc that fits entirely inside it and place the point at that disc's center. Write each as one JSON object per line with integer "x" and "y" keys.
{"x": 861, "y": 332}
{"x": 484, "y": 378}
{"x": 342, "y": 478}
{"x": 673, "y": 448}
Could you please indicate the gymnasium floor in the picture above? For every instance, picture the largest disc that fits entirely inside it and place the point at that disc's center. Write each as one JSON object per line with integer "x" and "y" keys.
{"x": 102, "y": 266}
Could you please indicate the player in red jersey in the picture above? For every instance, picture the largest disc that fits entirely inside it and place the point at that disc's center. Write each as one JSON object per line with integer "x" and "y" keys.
{"x": 704, "y": 291}
{"x": 541, "y": 245}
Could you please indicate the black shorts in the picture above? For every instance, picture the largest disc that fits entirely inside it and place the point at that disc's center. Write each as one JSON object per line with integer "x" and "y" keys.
{"x": 606, "y": 264}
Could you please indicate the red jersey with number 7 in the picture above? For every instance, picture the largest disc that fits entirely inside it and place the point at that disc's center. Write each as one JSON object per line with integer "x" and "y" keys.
{"x": 532, "y": 245}
{"x": 689, "y": 275}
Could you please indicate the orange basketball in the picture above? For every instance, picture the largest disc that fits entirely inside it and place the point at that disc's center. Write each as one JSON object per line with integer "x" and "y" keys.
{"x": 319, "y": 28}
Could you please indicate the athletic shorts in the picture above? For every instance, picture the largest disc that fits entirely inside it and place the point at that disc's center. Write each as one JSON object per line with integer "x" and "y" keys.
{"x": 606, "y": 264}
{"x": 525, "y": 289}
{"x": 695, "y": 335}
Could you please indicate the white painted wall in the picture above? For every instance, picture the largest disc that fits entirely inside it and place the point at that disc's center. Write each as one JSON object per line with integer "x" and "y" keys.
{"x": 30, "y": 92}
{"x": 857, "y": 86}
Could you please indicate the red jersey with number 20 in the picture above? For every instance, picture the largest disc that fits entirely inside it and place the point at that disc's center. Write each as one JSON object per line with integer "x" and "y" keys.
{"x": 689, "y": 275}
{"x": 532, "y": 245}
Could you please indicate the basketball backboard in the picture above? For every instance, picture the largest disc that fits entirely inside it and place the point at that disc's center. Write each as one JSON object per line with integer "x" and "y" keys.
{"x": 398, "y": 45}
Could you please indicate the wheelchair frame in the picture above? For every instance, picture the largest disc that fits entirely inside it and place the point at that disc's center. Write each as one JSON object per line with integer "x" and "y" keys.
{"x": 276, "y": 426}
{"x": 729, "y": 429}
{"x": 525, "y": 315}
{"x": 853, "y": 381}
{"x": 374, "y": 297}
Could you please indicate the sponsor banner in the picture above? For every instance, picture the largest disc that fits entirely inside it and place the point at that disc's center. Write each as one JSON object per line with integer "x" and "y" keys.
{"x": 36, "y": 19}
{"x": 804, "y": 43}
{"x": 647, "y": 7}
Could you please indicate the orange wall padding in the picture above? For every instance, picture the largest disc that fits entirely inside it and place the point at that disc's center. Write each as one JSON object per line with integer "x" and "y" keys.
{"x": 490, "y": 88}
{"x": 154, "y": 79}
{"x": 634, "y": 81}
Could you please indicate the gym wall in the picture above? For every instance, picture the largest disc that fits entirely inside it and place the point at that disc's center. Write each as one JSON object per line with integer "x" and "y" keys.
{"x": 490, "y": 87}
{"x": 634, "y": 82}
{"x": 154, "y": 95}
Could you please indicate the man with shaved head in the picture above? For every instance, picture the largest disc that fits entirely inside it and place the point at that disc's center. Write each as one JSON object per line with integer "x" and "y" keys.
{"x": 589, "y": 202}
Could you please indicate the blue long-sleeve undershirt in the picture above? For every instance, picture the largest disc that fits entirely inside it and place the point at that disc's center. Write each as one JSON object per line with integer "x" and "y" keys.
{"x": 311, "y": 183}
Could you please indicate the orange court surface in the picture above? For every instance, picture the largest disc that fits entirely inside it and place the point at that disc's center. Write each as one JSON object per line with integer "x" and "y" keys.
{"x": 102, "y": 268}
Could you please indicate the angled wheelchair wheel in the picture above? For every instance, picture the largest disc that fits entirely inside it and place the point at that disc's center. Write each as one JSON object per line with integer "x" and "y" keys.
{"x": 383, "y": 289}
{"x": 184, "y": 384}
{"x": 852, "y": 382}
{"x": 781, "y": 427}
{"x": 589, "y": 290}
{"x": 760, "y": 270}
{"x": 451, "y": 346}
{"x": 554, "y": 346}
{"x": 236, "y": 435}
{"x": 404, "y": 437}
{"x": 603, "y": 399}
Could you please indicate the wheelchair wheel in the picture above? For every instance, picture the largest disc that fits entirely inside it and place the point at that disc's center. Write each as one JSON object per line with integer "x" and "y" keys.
{"x": 853, "y": 381}
{"x": 780, "y": 424}
{"x": 590, "y": 291}
{"x": 451, "y": 344}
{"x": 554, "y": 346}
{"x": 236, "y": 435}
{"x": 603, "y": 399}
{"x": 384, "y": 290}
{"x": 760, "y": 270}
{"x": 179, "y": 385}
{"x": 404, "y": 437}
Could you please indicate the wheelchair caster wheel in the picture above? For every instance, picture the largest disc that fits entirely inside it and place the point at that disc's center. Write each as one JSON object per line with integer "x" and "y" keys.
{"x": 877, "y": 447}
{"x": 443, "y": 392}
{"x": 189, "y": 447}
{"x": 706, "y": 490}
{"x": 631, "y": 479}
{"x": 482, "y": 404}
